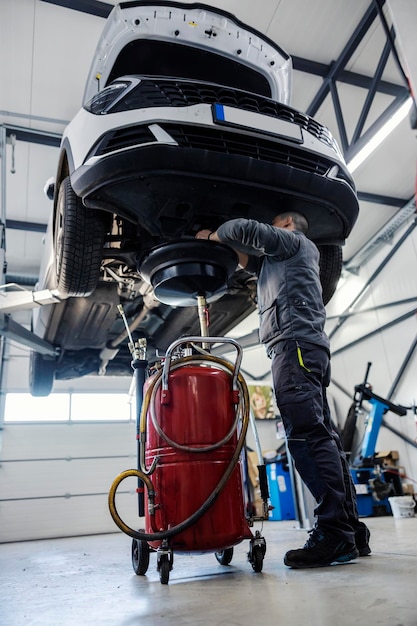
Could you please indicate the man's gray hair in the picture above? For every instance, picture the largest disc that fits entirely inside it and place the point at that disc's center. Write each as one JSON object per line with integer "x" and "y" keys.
{"x": 300, "y": 222}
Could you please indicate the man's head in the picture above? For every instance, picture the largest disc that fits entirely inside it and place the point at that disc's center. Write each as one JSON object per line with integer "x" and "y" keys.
{"x": 291, "y": 220}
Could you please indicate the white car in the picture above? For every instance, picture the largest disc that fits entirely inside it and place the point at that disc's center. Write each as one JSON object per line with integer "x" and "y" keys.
{"x": 185, "y": 123}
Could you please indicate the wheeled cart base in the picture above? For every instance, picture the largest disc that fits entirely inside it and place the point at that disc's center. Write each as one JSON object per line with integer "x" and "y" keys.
{"x": 165, "y": 557}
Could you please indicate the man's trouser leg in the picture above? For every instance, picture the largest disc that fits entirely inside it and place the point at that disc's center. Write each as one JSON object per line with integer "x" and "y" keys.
{"x": 298, "y": 385}
{"x": 351, "y": 500}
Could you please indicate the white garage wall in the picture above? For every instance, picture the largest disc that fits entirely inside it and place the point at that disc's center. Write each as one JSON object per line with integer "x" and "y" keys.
{"x": 54, "y": 478}
{"x": 382, "y": 335}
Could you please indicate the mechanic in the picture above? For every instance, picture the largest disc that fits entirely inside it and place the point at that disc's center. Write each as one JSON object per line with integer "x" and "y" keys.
{"x": 292, "y": 319}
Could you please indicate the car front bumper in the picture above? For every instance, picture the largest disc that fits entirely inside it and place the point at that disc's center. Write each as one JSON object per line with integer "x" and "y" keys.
{"x": 153, "y": 184}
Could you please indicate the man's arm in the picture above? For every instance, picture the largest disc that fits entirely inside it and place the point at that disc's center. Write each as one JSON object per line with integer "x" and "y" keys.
{"x": 259, "y": 239}
{"x": 213, "y": 236}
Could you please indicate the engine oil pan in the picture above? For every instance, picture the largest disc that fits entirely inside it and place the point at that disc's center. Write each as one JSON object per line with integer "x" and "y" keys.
{"x": 182, "y": 270}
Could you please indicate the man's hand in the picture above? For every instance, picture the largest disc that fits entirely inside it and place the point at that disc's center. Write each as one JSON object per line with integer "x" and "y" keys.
{"x": 211, "y": 235}
{"x": 203, "y": 234}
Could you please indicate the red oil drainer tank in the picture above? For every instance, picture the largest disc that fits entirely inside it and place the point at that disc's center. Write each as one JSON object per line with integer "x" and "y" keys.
{"x": 192, "y": 434}
{"x": 191, "y": 439}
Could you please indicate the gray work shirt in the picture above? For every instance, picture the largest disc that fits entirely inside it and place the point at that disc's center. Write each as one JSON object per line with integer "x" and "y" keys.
{"x": 290, "y": 302}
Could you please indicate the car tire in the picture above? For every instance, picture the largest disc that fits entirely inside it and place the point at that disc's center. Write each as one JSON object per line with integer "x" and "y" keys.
{"x": 79, "y": 238}
{"x": 331, "y": 261}
{"x": 41, "y": 375}
{"x": 349, "y": 428}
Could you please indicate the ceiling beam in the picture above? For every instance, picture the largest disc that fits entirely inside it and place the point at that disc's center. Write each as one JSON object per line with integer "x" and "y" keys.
{"x": 346, "y": 76}
{"x": 376, "y": 331}
{"x": 371, "y": 92}
{"x": 377, "y": 307}
{"x": 332, "y": 74}
{"x": 340, "y": 64}
{"x": 378, "y": 199}
{"x": 403, "y": 367}
{"x": 381, "y": 266}
{"x": 356, "y": 146}
{"x": 92, "y": 7}
{"x": 384, "y": 236}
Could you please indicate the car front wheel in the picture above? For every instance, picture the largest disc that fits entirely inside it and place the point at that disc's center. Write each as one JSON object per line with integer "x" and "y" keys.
{"x": 331, "y": 262}
{"x": 79, "y": 237}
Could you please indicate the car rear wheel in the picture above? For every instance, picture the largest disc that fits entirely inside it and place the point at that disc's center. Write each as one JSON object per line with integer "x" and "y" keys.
{"x": 331, "y": 261}
{"x": 41, "y": 375}
{"x": 79, "y": 238}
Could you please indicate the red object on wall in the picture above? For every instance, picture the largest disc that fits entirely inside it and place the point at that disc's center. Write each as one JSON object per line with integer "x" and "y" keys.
{"x": 200, "y": 413}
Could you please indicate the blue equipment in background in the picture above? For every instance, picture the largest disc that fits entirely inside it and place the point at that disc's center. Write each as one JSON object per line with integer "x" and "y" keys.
{"x": 280, "y": 489}
{"x": 373, "y": 483}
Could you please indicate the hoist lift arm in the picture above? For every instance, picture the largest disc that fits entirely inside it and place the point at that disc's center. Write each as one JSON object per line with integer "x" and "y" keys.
{"x": 11, "y": 302}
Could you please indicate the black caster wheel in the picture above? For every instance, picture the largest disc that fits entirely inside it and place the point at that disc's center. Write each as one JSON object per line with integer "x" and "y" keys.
{"x": 225, "y": 556}
{"x": 257, "y": 552}
{"x": 164, "y": 569}
{"x": 140, "y": 557}
{"x": 257, "y": 560}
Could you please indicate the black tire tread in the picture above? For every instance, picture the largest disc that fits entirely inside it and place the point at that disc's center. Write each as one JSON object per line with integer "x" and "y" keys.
{"x": 41, "y": 375}
{"x": 349, "y": 428}
{"x": 164, "y": 570}
{"x": 140, "y": 557}
{"x": 81, "y": 249}
{"x": 331, "y": 261}
{"x": 225, "y": 556}
{"x": 257, "y": 559}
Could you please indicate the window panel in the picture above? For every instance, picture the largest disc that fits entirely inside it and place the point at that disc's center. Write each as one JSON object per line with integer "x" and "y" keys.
{"x": 22, "y": 407}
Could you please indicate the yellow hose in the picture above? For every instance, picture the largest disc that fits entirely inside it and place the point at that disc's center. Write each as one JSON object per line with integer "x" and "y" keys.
{"x": 112, "y": 496}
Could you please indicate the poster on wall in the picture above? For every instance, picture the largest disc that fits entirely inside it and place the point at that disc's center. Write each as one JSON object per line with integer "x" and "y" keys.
{"x": 262, "y": 402}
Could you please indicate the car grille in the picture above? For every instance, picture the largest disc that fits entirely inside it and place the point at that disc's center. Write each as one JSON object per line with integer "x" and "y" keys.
{"x": 174, "y": 93}
{"x": 246, "y": 145}
{"x": 220, "y": 141}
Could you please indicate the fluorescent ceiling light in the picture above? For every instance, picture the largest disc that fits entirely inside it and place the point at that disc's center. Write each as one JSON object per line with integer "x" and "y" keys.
{"x": 379, "y": 137}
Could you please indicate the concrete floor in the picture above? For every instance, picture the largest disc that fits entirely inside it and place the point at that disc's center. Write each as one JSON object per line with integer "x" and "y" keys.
{"x": 87, "y": 581}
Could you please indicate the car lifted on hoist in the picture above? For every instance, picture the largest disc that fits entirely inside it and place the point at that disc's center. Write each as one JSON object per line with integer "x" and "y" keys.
{"x": 185, "y": 124}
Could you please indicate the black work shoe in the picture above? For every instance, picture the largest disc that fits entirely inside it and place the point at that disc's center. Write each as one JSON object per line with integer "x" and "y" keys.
{"x": 362, "y": 536}
{"x": 321, "y": 550}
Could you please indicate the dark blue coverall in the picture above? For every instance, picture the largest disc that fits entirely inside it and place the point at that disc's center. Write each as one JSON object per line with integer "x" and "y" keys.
{"x": 292, "y": 319}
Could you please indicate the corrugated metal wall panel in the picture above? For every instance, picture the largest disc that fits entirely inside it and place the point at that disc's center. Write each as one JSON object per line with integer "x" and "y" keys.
{"x": 67, "y": 440}
{"x": 54, "y": 478}
{"x": 48, "y": 519}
